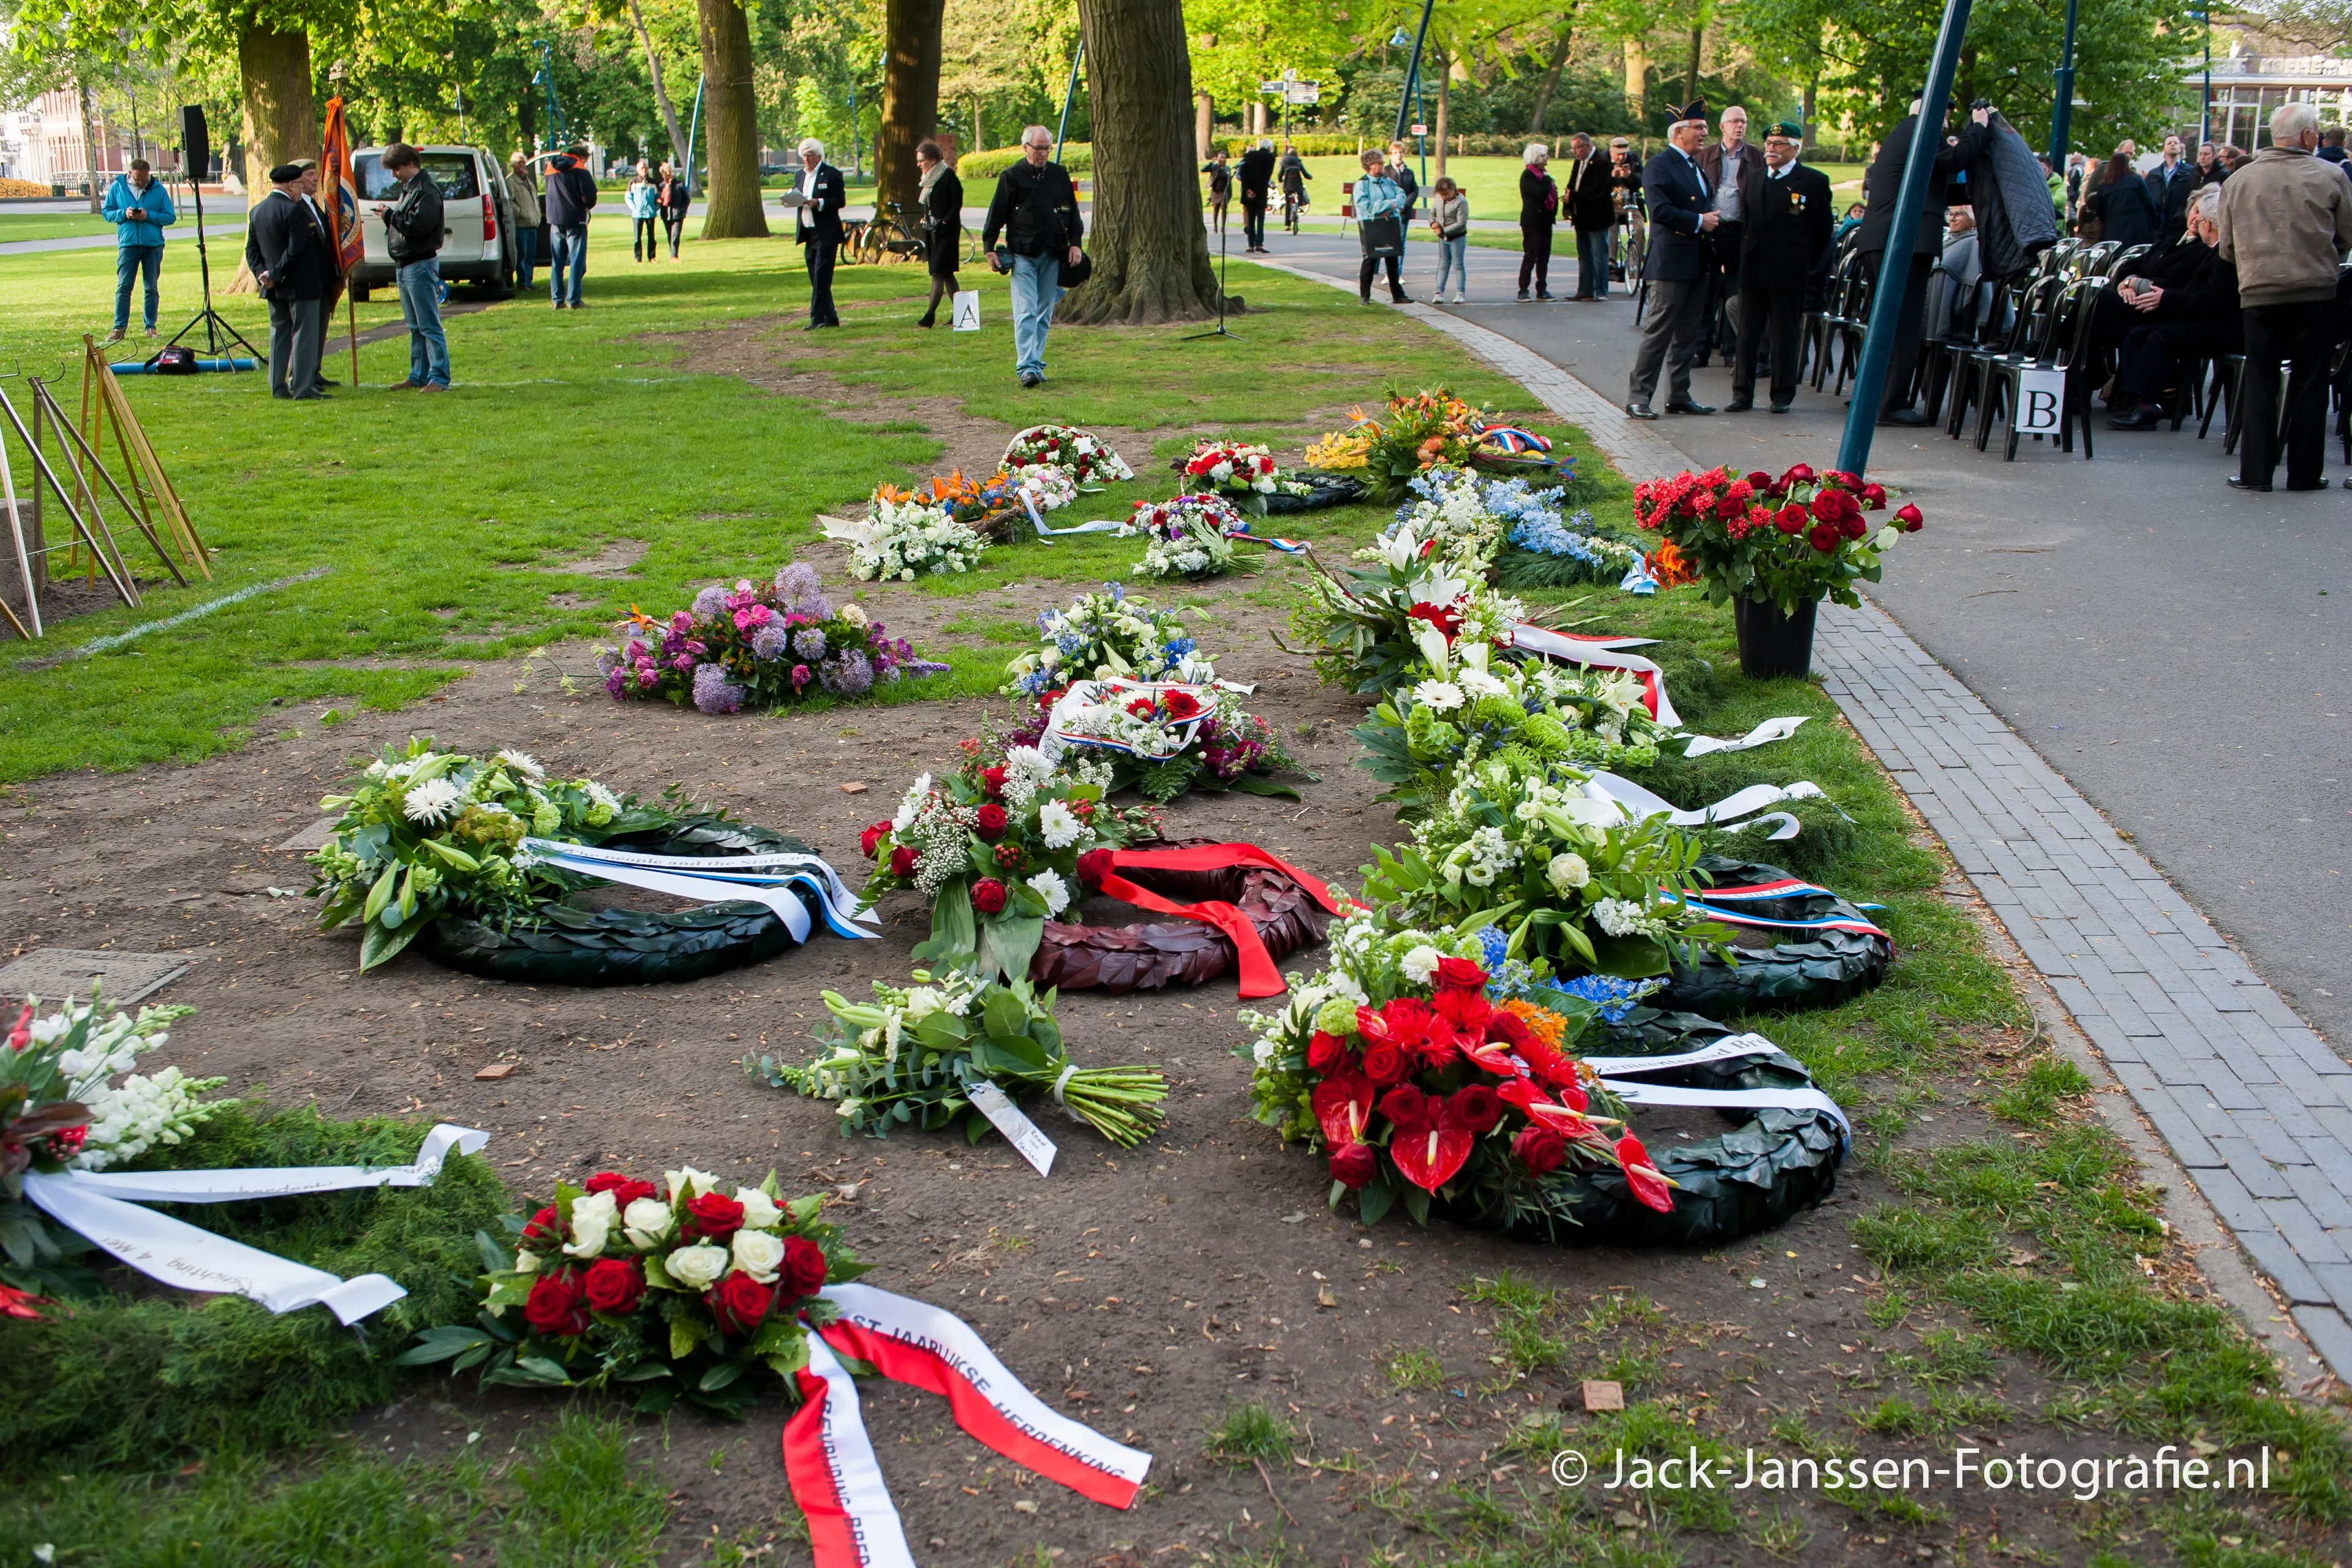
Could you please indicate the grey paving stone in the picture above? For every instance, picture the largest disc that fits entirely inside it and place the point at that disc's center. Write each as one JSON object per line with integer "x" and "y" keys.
{"x": 2330, "y": 1335}
{"x": 2306, "y": 1233}
{"x": 2262, "y": 1178}
{"x": 2239, "y": 1209}
{"x": 2271, "y": 1253}
{"x": 2321, "y": 1195}
{"x": 2269, "y": 1139}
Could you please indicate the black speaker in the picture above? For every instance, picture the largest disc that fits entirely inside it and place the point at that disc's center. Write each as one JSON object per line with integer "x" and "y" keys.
{"x": 195, "y": 147}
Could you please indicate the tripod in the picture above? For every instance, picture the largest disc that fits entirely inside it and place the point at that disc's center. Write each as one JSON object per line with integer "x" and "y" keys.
{"x": 216, "y": 326}
{"x": 1220, "y": 333}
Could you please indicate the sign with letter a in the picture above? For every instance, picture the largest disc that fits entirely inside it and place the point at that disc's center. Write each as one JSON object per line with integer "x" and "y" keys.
{"x": 2040, "y": 401}
{"x": 966, "y": 311}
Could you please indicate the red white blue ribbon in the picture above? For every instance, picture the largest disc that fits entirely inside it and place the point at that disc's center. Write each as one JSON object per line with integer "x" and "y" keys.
{"x": 829, "y": 1460}
{"x": 1513, "y": 439}
{"x": 1288, "y": 546}
{"x": 1603, "y": 653}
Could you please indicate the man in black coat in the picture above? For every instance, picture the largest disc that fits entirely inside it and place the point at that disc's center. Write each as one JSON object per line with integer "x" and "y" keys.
{"x": 1680, "y": 272}
{"x": 1881, "y": 184}
{"x": 571, "y": 192}
{"x": 287, "y": 253}
{"x": 1592, "y": 212}
{"x": 1257, "y": 180}
{"x": 817, "y": 227}
{"x": 2169, "y": 187}
{"x": 1787, "y": 231}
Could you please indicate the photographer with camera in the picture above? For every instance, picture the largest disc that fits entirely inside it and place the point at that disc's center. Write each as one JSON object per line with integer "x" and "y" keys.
{"x": 139, "y": 209}
{"x": 412, "y": 232}
{"x": 1036, "y": 210}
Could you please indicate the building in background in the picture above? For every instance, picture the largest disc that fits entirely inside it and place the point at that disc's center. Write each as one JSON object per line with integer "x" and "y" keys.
{"x": 2248, "y": 87}
{"x": 43, "y": 142}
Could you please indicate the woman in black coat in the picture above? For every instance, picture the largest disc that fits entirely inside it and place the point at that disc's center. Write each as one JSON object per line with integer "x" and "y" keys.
{"x": 2121, "y": 203}
{"x": 942, "y": 199}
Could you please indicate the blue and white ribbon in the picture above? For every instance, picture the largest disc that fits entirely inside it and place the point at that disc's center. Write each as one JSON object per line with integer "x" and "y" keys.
{"x": 1621, "y": 1076}
{"x": 769, "y": 879}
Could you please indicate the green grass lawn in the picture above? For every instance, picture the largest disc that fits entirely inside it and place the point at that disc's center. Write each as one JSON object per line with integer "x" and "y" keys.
{"x": 567, "y": 432}
{"x": 62, "y": 225}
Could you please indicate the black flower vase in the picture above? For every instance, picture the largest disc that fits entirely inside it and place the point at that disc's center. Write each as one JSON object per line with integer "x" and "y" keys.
{"x": 1771, "y": 641}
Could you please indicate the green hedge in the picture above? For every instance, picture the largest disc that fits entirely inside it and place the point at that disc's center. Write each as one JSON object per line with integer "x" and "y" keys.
{"x": 1078, "y": 157}
{"x": 141, "y": 1379}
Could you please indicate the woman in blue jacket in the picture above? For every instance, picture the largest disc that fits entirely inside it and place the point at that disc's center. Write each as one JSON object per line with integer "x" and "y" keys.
{"x": 643, "y": 198}
{"x": 1379, "y": 200}
{"x": 140, "y": 208}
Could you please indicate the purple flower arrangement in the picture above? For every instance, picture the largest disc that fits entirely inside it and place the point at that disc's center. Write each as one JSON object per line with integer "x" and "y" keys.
{"x": 758, "y": 645}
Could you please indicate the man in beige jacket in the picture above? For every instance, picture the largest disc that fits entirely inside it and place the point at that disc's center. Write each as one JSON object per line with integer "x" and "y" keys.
{"x": 2286, "y": 223}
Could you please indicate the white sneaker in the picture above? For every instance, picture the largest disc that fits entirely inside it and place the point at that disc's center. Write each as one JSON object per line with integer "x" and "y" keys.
{"x": 1460, "y": 298}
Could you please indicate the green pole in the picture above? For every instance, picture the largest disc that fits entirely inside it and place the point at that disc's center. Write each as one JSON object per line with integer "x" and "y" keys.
{"x": 1887, "y": 301}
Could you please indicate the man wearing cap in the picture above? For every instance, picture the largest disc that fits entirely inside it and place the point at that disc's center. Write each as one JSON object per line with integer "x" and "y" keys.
{"x": 287, "y": 251}
{"x": 1786, "y": 233}
{"x": 1682, "y": 222}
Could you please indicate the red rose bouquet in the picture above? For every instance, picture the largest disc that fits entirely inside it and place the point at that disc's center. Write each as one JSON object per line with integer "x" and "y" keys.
{"x": 1787, "y": 540}
{"x": 1421, "y": 1087}
{"x": 677, "y": 1289}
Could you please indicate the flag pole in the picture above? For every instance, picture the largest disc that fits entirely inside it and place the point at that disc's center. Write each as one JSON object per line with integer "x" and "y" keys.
{"x": 352, "y": 317}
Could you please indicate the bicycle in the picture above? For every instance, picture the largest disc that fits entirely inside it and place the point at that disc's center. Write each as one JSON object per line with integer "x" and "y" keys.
{"x": 1292, "y": 204}
{"x": 887, "y": 235}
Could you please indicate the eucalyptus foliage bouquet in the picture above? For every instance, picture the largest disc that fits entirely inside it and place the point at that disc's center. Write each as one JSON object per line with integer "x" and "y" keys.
{"x": 1104, "y": 634}
{"x": 911, "y": 1057}
{"x": 425, "y": 833}
{"x": 1538, "y": 715}
{"x": 677, "y": 1290}
{"x": 1568, "y": 879}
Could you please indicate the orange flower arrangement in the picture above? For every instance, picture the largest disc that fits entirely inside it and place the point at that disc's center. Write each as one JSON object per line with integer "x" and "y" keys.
{"x": 1546, "y": 1024}
{"x": 1670, "y": 567}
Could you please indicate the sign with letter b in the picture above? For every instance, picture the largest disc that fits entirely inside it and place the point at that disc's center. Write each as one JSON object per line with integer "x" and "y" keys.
{"x": 2040, "y": 401}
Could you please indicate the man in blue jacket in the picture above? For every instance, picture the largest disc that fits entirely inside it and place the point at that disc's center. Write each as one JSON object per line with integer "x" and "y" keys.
{"x": 1680, "y": 269}
{"x": 139, "y": 209}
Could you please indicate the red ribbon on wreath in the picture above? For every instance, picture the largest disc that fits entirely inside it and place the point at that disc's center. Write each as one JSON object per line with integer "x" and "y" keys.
{"x": 1259, "y": 977}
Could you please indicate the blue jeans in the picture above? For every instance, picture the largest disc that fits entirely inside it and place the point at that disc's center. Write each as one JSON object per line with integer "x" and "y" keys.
{"x": 1454, "y": 259}
{"x": 570, "y": 250}
{"x": 1593, "y": 262}
{"x": 130, "y": 260}
{"x": 526, "y": 256}
{"x": 1037, "y": 290}
{"x": 420, "y": 306}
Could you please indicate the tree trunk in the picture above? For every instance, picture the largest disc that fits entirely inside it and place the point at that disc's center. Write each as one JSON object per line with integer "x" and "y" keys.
{"x": 1637, "y": 75}
{"x": 661, "y": 91}
{"x": 281, "y": 119}
{"x": 89, "y": 146}
{"x": 1445, "y": 76}
{"x": 1690, "y": 78}
{"x": 910, "y": 98}
{"x": 1204, "y": 124}
{"x": 1150, "y": 252}
{"x": 527, "y": 120}
{"x": 1550, "y": 82}
{"x": 1813, "y": 87}
{"x": 731, "y": 164}
{"x": 979, "y": 132}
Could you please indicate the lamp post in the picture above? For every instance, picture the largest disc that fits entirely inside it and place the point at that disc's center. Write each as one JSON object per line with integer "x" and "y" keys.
{"x": 1887, "y": 300}
{"x": 2062, "y": 106}
{"x": 1078, "y": 59}
{"x": 1412, "y": 70}
{"x": 2205, "y": 115}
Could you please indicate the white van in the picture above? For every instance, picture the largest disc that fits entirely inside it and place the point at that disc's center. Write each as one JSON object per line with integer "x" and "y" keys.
{"x": 477, "y": 243}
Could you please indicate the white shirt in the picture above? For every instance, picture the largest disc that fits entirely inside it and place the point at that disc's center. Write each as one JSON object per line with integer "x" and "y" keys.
{"x": 808, "y": 182}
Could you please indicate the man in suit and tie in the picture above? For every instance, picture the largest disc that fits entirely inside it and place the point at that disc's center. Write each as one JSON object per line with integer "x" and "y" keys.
{"x": 1786, "y": 234}
{"x": 287, "y": 251}
{"x": 2169, "y": 185}
{"x": 1683, "y": 221}
{"x": 1592, "y": 212}
{"x": 817, "y": 228}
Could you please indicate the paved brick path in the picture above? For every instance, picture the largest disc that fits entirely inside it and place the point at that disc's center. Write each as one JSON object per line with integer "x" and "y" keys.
{"x": 2250, "y": 1100}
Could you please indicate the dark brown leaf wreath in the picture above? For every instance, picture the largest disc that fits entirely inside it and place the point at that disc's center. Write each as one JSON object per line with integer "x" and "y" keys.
{"x": 1119, "y": 959}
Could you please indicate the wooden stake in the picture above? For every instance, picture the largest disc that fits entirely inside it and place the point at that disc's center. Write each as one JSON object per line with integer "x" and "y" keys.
{"x": 17, "y": 536}
{"x": 135, "y": 514}
{"x": 144, "y": 460}
{"x": 122, "y": 585}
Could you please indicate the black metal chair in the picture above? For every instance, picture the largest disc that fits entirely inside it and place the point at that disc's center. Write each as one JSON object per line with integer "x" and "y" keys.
{"x": 2017, "y": 320}
{"x": 2052, "y": 311}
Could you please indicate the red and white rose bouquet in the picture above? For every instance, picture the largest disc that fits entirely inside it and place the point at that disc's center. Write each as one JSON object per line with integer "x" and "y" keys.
{"x": 677, "y": 1288}
{"x": 1086, "y": 457}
